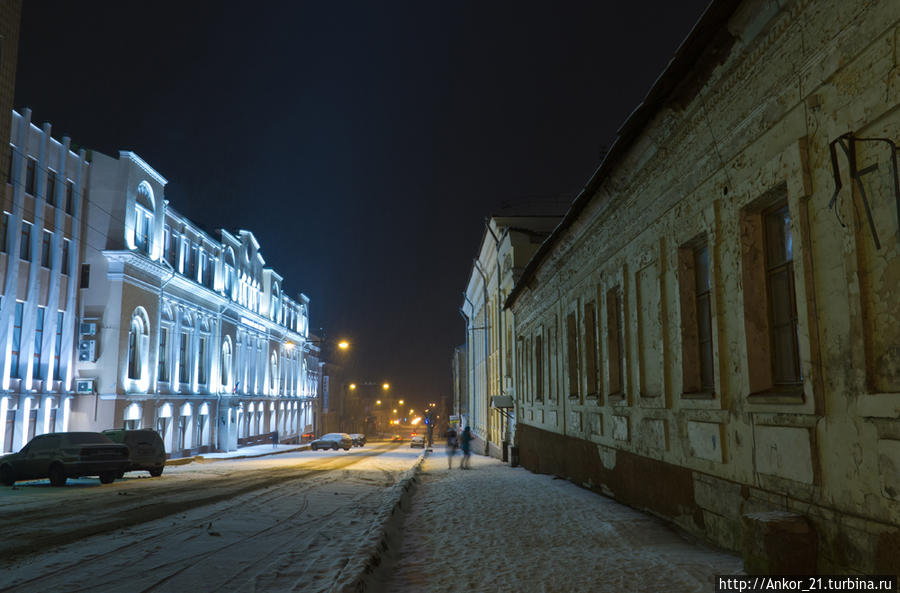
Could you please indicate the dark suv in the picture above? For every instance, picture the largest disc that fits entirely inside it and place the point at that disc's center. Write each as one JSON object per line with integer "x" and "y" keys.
{"x": 63, "y": 455}
{"x": 146, "y": 450}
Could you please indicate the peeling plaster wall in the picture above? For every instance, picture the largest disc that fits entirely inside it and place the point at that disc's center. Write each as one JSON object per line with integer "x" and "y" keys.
{"x": 753, "y": 128}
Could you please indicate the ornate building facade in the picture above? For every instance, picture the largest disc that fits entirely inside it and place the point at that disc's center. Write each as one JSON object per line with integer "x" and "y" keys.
{"x": 181, "y": 332}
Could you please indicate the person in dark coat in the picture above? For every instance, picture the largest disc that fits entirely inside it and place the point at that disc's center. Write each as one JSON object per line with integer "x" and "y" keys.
{"x": 466, "y": 444}
{"x": 452, "y": 445}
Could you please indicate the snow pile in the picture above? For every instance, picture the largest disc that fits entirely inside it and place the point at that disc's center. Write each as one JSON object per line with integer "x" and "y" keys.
{"x": 496, "y": 528}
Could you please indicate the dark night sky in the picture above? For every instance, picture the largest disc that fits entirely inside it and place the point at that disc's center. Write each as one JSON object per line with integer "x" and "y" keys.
{"x": 362, "y": 142}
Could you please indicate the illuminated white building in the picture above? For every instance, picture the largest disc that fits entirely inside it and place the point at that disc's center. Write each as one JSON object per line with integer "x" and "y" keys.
{"x": 40, "y": 239}
{"x": 182, "y": 332}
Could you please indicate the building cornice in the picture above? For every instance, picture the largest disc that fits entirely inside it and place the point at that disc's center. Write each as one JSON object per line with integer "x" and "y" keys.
{"x": 127, "y": 154}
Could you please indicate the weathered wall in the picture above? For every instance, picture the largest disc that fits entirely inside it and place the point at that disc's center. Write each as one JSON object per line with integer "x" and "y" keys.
{"x": 747, "y": 129}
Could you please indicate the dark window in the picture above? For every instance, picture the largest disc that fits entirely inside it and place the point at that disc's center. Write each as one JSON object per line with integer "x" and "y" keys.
{"x": 201, "y": 362}
{"x": 70, "y": 196}
{"x": 57, "y": 372}
{"x": 30, "y": 169}
{"x": 183, "y": 374}
{"x": 163, "y": 373}
{"x": 25, "y": 245}
{"x": 38, "y": 339}
{"x": 614, "y": 340}
{"x": 45, "y": 249}
{"x": 134, "y": 367}
{"x": 64, "y": 265}
{"x": 590, "y": 349}
{"x": 50, "y": 194}
{"x": 4, "y": 232}
{"x": 781, "y": 295}
{"x": 16, "y": 341}
{"x": 572, "y": 354}
{"x": 85, "y": 276}
{"x": 704, "y": 318}
{"x": 538, "y": 368}
{"x": 10, "y": 170}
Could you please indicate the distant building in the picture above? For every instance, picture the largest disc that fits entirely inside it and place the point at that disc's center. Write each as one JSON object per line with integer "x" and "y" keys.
{"x": 40, "y": 246}
{"x": 10, "y": 16}
{"x": 713, "y": 330}
{"x": 459, "y": 380}
{"x": 181, "y": 332}
{"x": 506, "y": 246}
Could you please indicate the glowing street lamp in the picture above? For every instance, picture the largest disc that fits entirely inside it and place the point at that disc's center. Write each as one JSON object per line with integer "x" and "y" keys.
{"x": 343, "y": 344}
{"x": 395, "y": 410}
{"x": 401, "y": 402}
{"x": 377, "y": 402}
{"x": 352, "y": 386}
{"x": 386, "y": 386}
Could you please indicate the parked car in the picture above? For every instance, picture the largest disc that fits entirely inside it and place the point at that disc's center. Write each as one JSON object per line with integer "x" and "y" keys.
{"x": 332, "y": 440}
{"x": 358, "y": 439}
{"x": 417, "y": 441}
{"x": 63, "y": 455}
{"x": 146, "y": 450}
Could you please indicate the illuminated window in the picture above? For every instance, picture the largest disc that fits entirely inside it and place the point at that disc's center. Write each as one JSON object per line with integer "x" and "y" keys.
{"x": 142, "y": 224}
{"x": 226, "y": 362}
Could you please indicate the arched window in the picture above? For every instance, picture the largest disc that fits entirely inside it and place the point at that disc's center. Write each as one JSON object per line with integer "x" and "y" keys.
{"x": 134, "y": 347}
{"x": 144, "y": 205}
{"x": 226, "y": 361}
{"x": 273, "y": 372}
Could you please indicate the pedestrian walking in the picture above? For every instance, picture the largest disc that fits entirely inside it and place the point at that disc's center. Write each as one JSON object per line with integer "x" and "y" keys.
{"x": 274, "y": 439}
{"x": 452, "y": 445}
{"x": 466, "y": 444}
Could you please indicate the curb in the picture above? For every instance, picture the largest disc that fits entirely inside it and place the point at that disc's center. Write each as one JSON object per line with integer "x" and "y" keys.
{"x": 373, "y": 548}
{"x": 202, "y": 459}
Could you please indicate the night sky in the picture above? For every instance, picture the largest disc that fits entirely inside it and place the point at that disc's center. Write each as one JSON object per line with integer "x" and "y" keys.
{"x": 363, "y": 143}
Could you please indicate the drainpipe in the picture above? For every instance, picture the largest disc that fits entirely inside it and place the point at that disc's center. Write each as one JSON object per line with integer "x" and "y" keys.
{"x": 470, "y": 361}
{"x": 466, "y": 319}
{"x": 162, "y": 288}
{"x": 487, "y": 401}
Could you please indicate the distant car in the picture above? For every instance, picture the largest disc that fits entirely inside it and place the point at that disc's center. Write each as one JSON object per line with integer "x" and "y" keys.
{"x": 332, "y": 440}
{"x": 146, "y": 449}
{"x": 358, "y": 439}
{"x": 396, "y": 438}
{"x": 62, "y": 455}
{"x": 307, "y": 436}
{"x": 417, "y": 441}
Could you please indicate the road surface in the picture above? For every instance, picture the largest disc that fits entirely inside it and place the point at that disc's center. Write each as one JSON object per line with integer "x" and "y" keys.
{"x": 285, "y": 522}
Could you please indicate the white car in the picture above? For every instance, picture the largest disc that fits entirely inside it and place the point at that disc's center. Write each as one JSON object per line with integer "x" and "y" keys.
{"x": 417, "y": 441}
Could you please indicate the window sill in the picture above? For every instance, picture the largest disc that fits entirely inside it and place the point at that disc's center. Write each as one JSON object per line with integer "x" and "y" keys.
{"x": 792, "y": 396}
{"x": 699, "y": 395}
{"x": 615, "y": 398}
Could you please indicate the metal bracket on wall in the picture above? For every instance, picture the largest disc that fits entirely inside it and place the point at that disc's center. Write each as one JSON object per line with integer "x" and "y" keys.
{"x": 847, "y": 142}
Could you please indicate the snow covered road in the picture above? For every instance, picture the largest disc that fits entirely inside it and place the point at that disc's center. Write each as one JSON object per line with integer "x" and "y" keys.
{"x": 289, "y": 522}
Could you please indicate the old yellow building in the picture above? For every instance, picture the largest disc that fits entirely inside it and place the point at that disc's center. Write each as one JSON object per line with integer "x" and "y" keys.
{"x": 713, "y": 330}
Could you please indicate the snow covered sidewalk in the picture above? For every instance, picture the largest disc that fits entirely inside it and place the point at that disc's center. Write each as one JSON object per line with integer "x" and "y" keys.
{"x": 494, "y": 528}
